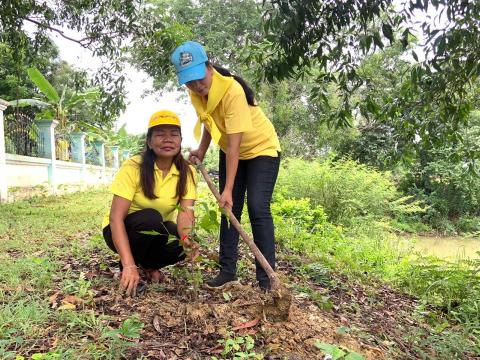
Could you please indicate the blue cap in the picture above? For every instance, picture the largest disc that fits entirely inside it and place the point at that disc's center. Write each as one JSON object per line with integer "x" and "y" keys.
{"x": 189, "y": 61}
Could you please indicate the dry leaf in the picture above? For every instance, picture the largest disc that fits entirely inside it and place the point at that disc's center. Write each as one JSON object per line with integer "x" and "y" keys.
{"x": 67, "y": 306}
{"x": 215, "y": 350}
{"x": 209, "y": 329}
{"x": 156, "y": 323}
{"x": 248, "y": 324}
{"x": 72, "y": 299}
{"x": 53, "y": 299}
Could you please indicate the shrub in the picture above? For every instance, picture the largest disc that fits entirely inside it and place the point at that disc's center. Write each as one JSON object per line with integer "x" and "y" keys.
{"x": 344, "y": 189}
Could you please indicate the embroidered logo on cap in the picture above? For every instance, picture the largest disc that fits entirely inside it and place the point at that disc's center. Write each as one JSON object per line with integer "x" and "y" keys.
{"x": 185, "y": 58}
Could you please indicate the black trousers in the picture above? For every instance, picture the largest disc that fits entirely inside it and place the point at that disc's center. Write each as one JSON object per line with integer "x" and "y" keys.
{"x": 257, "y": 178}
{"x": 149, "y": 251}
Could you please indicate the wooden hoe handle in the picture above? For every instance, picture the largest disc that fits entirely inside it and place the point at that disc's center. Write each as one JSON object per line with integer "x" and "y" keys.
{"x": 274, "y": 281}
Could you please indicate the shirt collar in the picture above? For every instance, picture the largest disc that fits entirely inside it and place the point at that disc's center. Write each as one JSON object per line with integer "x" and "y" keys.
{"x": 173, "y": 169}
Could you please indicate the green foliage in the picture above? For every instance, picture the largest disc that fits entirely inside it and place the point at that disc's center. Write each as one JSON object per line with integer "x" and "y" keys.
{"x": 345, "y": 190}
{"x": 452, "y": 287}
{"x": 238, "y": 347}
{"x": 62, "y": 106}
{"x": 119, "y": 340}
{"x": 80, "y": 287}
{"x": 337, "y": 352}
{"x": 222, "y": 26}
{"x": 103, "y": 27}
{"x": 211, "y": 158}
{"x": 329, "y": 41}
{"x": 43, "y": 85}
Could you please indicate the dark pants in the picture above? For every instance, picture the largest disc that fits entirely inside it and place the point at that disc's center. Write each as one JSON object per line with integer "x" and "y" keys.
{"x": 149, "y": 251}
{"x": 257, "y": 177}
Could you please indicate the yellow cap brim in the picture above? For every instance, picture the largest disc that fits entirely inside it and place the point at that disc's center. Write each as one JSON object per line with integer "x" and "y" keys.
{"x": 164, "y": 118}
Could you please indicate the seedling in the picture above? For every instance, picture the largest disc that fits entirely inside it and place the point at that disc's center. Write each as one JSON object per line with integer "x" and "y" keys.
{"x": 238, "y": 347}
{"x": 335, "y": 352}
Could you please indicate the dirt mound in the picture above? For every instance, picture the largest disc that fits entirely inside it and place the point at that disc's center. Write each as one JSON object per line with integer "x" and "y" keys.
{"x": 178, "y": 327}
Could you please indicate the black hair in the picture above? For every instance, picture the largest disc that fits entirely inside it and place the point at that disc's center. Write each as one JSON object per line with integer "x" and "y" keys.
{"x": 147, "y": 171}
{"x": 249, "y": 94}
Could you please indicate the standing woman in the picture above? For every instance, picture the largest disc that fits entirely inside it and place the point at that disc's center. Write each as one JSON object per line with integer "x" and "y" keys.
{"x": 249, "y": 153}
{"x": 147, "y": 190}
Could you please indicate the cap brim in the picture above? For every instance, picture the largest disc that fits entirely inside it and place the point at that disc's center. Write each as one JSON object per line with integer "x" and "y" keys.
{"x": 196, "y": 72}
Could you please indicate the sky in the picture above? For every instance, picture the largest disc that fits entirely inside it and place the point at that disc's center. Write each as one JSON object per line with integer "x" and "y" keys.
{"x": 139, "y": 107}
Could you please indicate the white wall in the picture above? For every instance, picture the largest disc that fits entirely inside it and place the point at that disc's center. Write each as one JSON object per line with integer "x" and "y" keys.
{"x": 26, "y": 171}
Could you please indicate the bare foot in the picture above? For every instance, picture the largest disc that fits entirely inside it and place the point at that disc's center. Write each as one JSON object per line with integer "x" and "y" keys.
{"x": 154, "y": 275}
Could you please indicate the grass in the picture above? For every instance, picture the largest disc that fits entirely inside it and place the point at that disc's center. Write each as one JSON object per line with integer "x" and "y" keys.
{"x": 449, "y": 292}
{"x": 39, "y": 241}
{"x": 47, "y": 245}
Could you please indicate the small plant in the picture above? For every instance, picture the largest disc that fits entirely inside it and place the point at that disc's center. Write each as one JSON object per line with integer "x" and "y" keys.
{"x": 125, "y": 336}
{"x": 238, "y": 347}
{"x": 321, "y": 300}
{"x": 80, "y": 287}
{"x": 334, "y": 352}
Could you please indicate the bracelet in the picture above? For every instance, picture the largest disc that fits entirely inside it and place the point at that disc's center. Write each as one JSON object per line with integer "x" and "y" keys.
{"x": 130, "y": 266}
{"x": 183, "y": 238}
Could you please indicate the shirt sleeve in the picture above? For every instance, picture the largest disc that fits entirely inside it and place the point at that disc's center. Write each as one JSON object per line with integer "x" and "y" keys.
{"x": 237, "y": 110}
{"x": 126, "y": 181}
{"x": 191, "y": 193}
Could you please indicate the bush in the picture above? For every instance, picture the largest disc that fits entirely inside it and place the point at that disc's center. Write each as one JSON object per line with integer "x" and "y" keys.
{"x": 469, "y": 224}
{"x": 345, "y": 190}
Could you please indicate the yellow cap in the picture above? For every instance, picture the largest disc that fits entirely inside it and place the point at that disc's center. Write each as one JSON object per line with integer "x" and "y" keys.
{"x": 164, "y": 117}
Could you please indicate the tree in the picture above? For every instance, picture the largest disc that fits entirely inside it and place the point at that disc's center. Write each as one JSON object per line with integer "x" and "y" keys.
{"x": 222, "y": 26}
{"x": 103, "y": 27}
{"x": 328, "y": 40}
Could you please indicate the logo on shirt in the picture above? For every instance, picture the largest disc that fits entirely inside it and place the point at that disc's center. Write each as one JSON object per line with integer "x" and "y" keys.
{"x": 185, "y": 58}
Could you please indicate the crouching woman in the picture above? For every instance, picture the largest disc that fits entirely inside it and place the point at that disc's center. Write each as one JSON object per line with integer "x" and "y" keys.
{"x": 149, "y": 190}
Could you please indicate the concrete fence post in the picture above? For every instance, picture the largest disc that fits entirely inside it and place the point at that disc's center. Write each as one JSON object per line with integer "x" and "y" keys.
{"x": 116, "y": 163}
{"x": 125, "y": 154}
{"x": 46, "y": 133}
{"x": 100, "y": 147}
{"x": 78, "y": 152}
{"x": 3, "y": 161}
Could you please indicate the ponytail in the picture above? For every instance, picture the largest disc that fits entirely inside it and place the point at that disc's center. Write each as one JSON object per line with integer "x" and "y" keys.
{"x": 249, "y": 94}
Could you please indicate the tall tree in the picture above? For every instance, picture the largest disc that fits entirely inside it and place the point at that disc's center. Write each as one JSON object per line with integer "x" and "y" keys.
{"x": 335, "y": 36}
{"x": 222, "y": 26}
{"x": 102, "y": 26}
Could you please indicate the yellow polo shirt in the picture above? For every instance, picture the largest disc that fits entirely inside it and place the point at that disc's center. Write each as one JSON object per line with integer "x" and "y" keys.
{"x": 234, "y": 115}
{"x": 127, "y": 185}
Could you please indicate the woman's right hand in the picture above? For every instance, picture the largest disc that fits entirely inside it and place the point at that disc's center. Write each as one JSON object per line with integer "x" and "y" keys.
{"x": 130, "y": 279}
{"x": 195, "y": 154}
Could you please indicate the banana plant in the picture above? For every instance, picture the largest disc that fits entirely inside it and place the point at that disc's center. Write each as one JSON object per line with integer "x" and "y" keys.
{"x": 55, "y": 106}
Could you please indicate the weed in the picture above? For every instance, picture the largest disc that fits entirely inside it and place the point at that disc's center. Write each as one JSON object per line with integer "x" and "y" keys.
{"x": 119, "y": 340}
{"x": 322, "y": 300}
{"x": 80, "y": 287}
{"x": 238, "y": 347}
{"x": 335, "y": 352}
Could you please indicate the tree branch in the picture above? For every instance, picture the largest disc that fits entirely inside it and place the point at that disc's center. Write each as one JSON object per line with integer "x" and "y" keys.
{"x": 80, "y": 42}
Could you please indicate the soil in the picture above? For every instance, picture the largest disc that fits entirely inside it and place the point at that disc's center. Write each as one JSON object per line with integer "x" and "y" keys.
{"x": 182, "y": 325}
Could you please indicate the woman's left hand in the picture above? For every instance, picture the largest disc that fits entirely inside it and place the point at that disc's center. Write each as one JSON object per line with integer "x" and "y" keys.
{"x": 192, "y": 248}
{"x": 226, "y": 200}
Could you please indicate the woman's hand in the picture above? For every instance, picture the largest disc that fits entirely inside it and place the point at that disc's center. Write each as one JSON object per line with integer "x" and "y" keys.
{"x": 197, "y": 153}
{"x": 192, "y": 248}
{"x": 130, "y": 279}
{"x": 226, "y": 200}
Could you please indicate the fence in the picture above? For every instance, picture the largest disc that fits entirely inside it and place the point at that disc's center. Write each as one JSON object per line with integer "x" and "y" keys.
{"x": 32, "y": 154}
{"x": 21, "y": 136}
